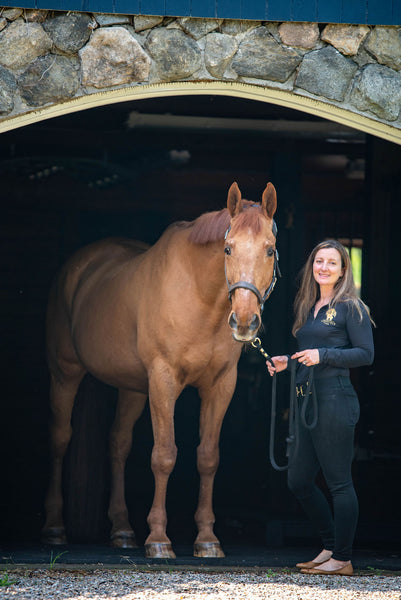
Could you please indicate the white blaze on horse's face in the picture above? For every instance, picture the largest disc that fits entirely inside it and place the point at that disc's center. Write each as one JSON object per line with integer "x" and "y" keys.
{"x": 249, "y": 259}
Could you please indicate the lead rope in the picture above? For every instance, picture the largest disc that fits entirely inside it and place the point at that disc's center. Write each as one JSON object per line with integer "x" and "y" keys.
{"x": 292, "y": 439}
{"x": 293, "y": 418}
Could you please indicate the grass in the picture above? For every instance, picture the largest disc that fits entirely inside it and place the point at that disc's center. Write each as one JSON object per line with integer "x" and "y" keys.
{"x": 270, "y": 573}
{"x": 374, "y": 571}
{"x": 54, "y": 559}
{"x": 5, "y": 581}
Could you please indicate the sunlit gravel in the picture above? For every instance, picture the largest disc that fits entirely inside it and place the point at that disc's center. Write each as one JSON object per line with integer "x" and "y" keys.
{"x": 126, "y": 584}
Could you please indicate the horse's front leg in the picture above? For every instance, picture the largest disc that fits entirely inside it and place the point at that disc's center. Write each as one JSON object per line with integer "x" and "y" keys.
{"x": 215, "y": 401}
{"x": 163, "y": 392}
{"x": 129, "y": 408}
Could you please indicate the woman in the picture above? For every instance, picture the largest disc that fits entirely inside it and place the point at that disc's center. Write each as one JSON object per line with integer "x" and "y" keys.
{"x": 334, "y": 332}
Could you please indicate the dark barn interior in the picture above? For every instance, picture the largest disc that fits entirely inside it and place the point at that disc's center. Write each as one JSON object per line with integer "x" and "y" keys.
{"x": 130, "y": 169}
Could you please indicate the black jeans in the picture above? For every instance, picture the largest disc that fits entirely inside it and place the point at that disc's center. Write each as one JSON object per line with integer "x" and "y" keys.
{"x": 329, "y": 446}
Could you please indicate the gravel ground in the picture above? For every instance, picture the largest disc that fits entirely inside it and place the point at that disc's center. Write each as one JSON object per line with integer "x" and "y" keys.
{"x": 43, "y": 584}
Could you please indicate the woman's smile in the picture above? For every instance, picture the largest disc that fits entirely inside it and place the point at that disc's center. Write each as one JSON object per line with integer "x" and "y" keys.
{"x": 327, "y": 267}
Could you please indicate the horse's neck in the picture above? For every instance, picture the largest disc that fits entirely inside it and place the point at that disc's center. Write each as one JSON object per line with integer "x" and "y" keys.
{"x": 207, "y": 263}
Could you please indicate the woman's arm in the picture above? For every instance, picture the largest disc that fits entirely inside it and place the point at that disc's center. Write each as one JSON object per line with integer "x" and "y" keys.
{"x": 361, "y": 339}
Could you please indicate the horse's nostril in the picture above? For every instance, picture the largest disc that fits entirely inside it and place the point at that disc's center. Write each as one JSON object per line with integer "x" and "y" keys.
{"x": 232, "y": 321}
{"x": 255, "y": 323}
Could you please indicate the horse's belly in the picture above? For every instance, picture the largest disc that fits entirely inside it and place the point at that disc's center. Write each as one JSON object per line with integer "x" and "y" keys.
{"x": 114, "y": 362}
{"x": 120, "y": 376}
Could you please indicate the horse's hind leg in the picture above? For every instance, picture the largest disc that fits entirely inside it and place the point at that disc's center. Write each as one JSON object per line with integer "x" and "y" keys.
{"x": 62, "y": 395}
{"x": 129, "y": 408}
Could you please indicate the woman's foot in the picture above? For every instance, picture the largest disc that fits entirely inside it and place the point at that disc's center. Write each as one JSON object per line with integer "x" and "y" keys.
{"x": 331, "y": 567}
{"x": 318, "y": 560}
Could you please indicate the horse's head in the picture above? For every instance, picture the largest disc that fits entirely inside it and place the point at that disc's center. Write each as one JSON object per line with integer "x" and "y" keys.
{"x": 250, "y": 259}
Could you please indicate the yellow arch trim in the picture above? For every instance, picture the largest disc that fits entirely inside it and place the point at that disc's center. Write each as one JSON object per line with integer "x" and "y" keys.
{"x": 221, "y": 88}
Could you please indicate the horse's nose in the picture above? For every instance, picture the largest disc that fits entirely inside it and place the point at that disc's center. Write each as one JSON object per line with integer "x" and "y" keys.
{"x": 252, "y": 326}
{"x": 255, "y": 323}
{"x": 232, "y": 321}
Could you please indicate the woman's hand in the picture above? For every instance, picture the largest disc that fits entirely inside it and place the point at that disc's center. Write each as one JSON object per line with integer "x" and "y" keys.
{"x": 280, "y": 363}
{"x": 307, "y": 357}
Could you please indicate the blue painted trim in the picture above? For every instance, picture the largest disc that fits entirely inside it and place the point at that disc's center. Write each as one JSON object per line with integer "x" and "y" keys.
{"x": 21, "y": 4}
{"x": 355, "y": 11}
{"x": 396, "y": 13}
{"x": 257, "y": 10}
{"x": 329, "y": 12}
{"x": 302, "y": 8}
{"x": 229, "y": 9}
{"x": 277, "y": 10}
{"x": 46, "y": 4}
{"x": 152, "y": 7}
{"x": 370, "y": 12}
{"x": 178, "y": 7}
{"x": 204, "y": 8}
{"x": 381, "y": 8}
{"x": 123, "y": 7}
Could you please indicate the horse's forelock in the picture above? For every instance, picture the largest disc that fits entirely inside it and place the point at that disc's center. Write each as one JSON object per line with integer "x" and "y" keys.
{"x": 210, "y": 227}
{"x": 249, "y": 219}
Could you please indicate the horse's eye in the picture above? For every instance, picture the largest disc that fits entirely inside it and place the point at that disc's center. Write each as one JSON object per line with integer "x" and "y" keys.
{"x": 227, "y": 250}
{"x": 270, "y": 251}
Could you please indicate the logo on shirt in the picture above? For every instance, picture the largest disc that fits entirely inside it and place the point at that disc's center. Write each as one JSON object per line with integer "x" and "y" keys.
{"x": 330, "y": 314}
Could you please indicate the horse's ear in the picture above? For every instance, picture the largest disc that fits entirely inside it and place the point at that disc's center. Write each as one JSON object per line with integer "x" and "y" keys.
{"x": 234, "y": 203}
{"x": 269, "y": 200}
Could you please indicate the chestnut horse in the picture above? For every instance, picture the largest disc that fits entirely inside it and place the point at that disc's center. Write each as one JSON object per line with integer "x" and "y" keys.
{"x": 150, "y": 323}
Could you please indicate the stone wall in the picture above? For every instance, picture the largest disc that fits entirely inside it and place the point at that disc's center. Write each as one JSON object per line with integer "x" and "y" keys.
{"x": 49, "y": 57}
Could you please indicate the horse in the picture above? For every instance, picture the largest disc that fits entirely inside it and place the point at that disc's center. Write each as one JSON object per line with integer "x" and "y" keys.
{"x": 151, "y": 322}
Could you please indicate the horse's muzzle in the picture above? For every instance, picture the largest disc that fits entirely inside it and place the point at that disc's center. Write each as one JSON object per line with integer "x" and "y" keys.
{"x": 244, "y": 332}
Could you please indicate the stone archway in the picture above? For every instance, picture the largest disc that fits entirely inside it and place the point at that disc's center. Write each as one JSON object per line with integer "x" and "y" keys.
{"x": 240, "y": 90}
{"x": 56, "y": 63}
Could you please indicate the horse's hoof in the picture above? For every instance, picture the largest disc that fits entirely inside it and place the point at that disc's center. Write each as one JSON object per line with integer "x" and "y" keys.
{"x": 208, "y": 550}
{"x": 123, "y": 539}
{"x": 159, "y": 550}
{"x": 54, "y": 535}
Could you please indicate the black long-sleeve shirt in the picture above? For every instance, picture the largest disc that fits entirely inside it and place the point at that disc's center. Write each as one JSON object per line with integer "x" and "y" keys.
{"x": 342, "y": 338}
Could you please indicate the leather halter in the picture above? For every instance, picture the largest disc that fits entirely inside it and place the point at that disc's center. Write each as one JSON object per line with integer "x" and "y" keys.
{"x": 250, "y": 286}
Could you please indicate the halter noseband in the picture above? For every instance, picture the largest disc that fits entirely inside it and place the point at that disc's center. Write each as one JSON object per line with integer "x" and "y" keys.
{"x": 249, "y": 286}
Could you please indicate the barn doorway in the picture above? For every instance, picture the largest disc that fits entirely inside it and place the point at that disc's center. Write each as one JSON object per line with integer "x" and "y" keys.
{"x": 130, "y": 169}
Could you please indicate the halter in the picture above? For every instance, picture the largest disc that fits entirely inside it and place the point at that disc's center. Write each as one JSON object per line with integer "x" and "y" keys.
{"x": 249, "y": 286}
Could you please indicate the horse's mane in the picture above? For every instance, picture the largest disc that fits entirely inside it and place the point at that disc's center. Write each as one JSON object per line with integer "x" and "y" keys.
{"x": 211, "y": 226}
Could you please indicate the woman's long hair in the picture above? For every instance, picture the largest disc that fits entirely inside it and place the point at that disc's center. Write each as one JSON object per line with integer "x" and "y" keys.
{"x": 309, "y": 290}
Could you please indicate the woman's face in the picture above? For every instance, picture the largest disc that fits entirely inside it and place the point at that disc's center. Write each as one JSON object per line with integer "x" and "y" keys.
{"x": 327, "y": 267}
